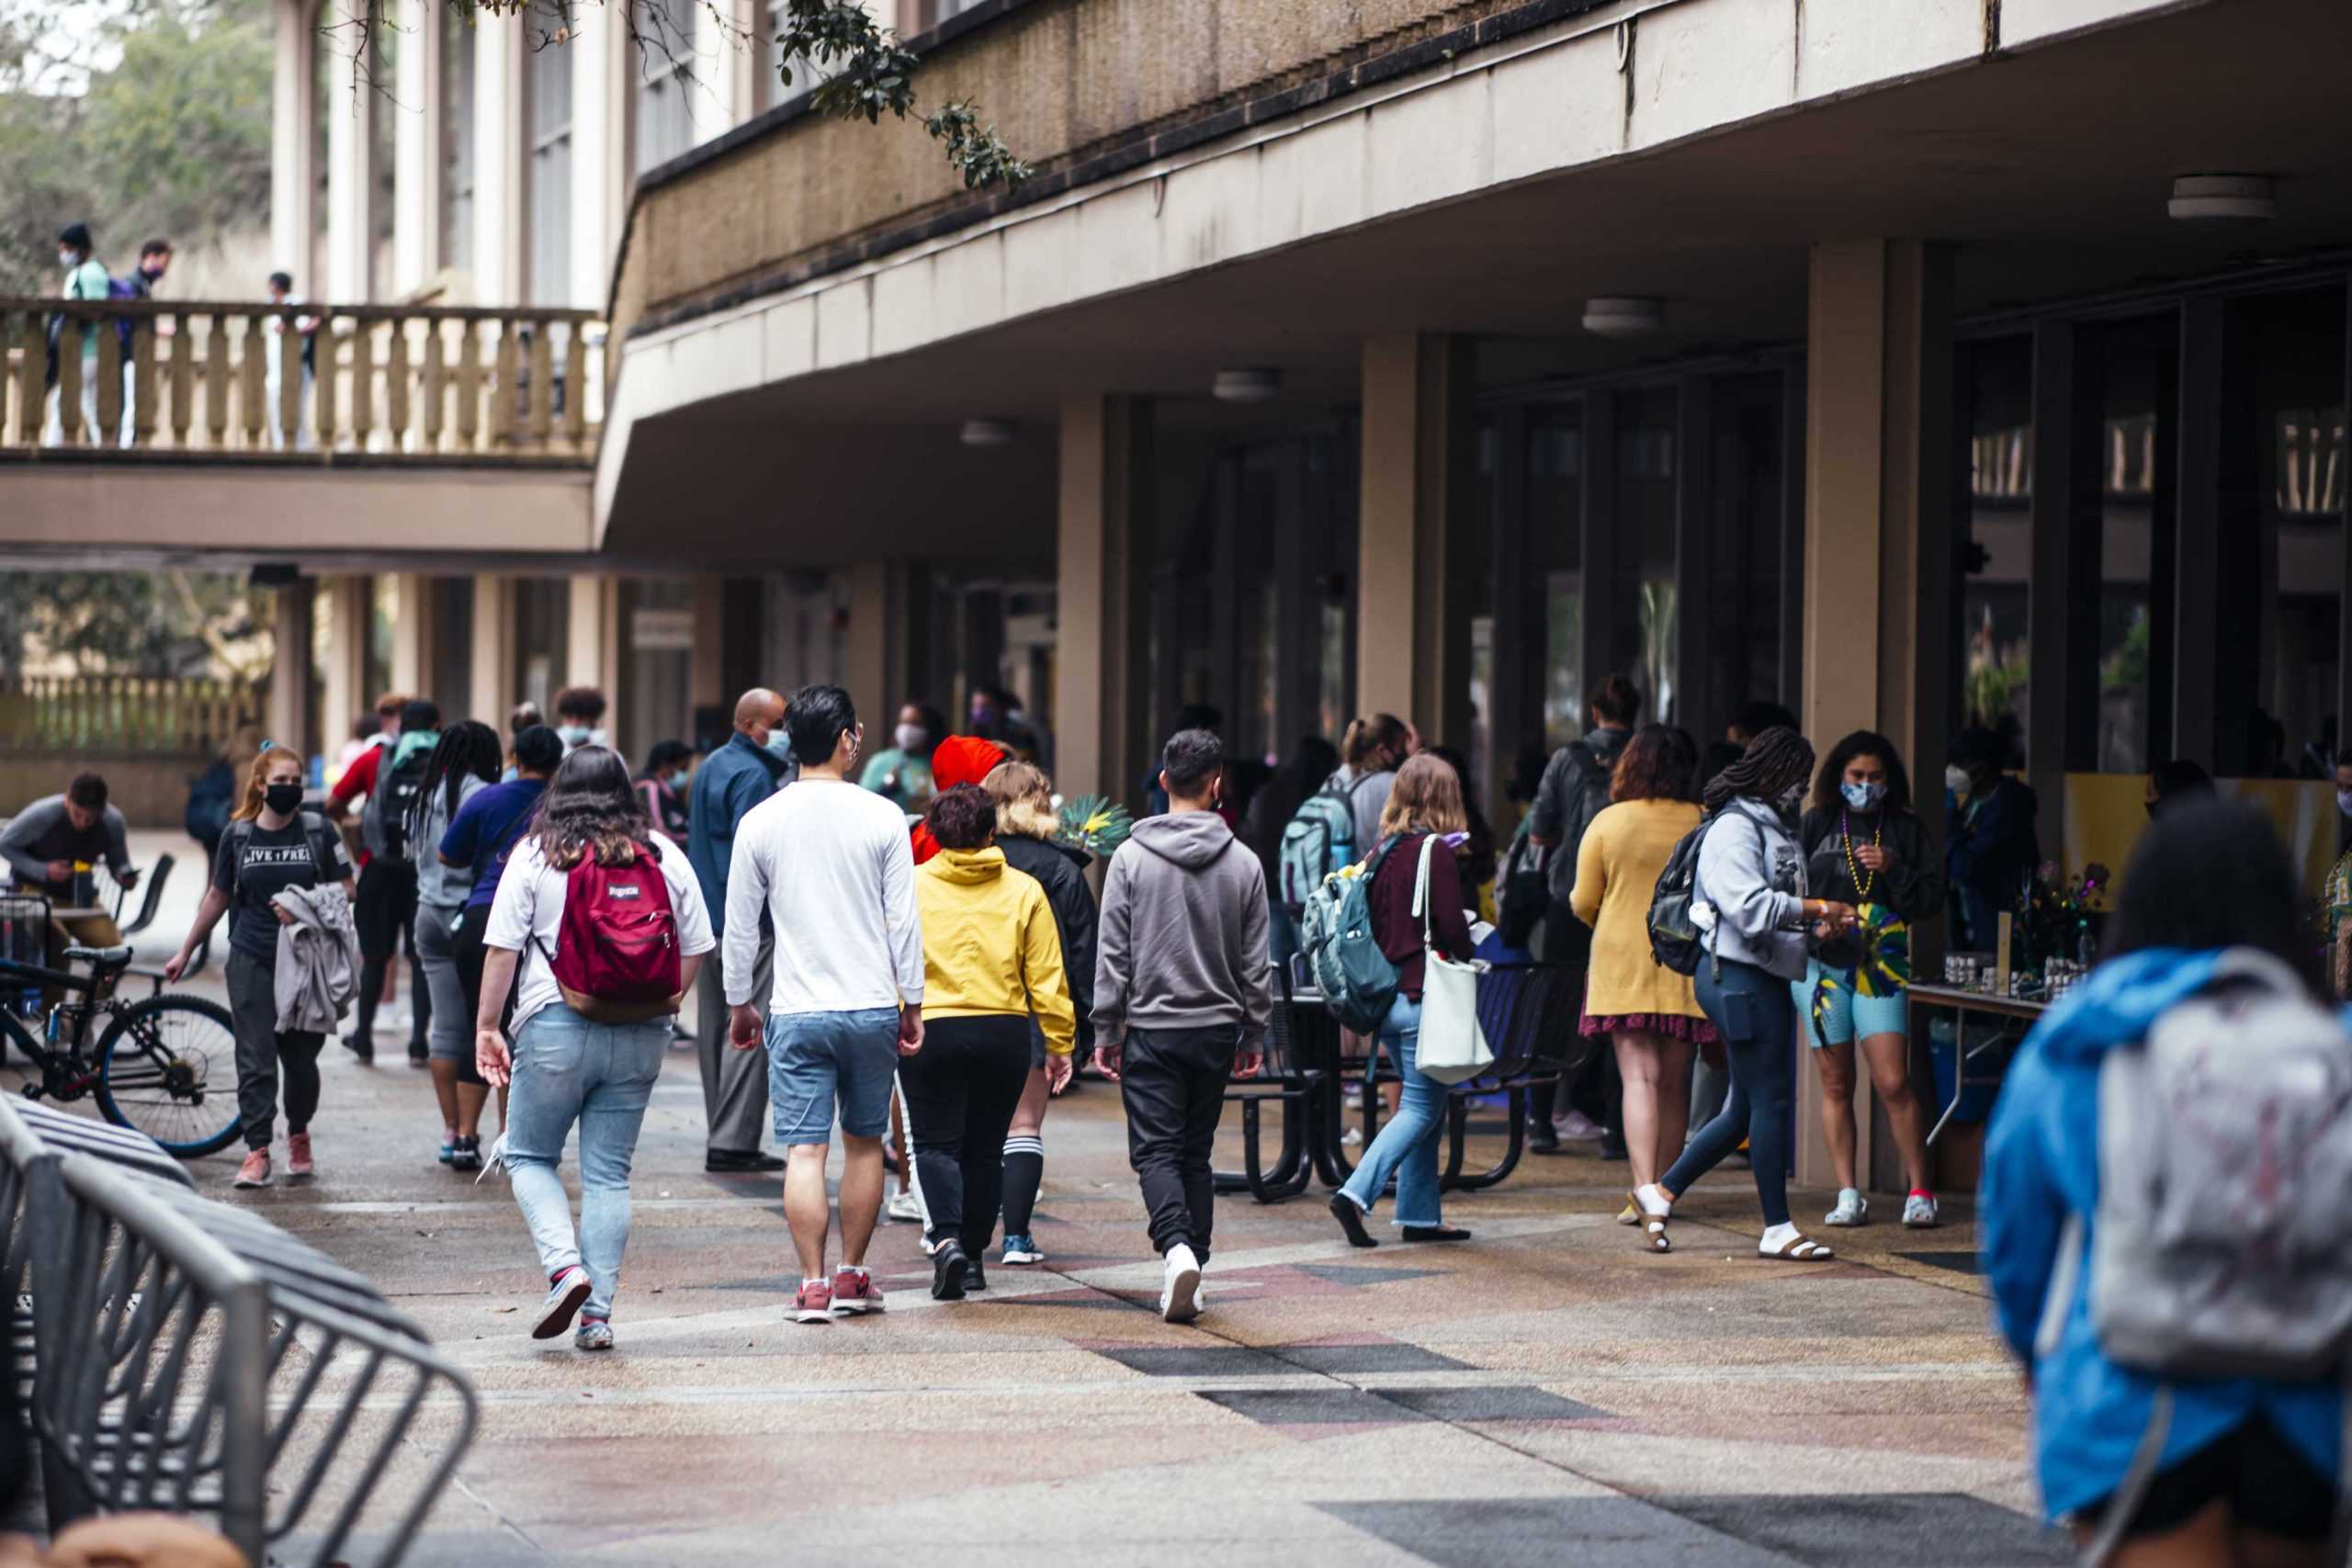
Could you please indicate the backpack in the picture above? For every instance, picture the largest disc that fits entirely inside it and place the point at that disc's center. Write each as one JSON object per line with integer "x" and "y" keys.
{"x": 1358, "y": 983}
{"x": 383, "y": 827}
{"x": 1677, "y": 939}
{"x": 2224, "y": 1247}
{"x": 1592, "y": 798}
{"x": 1320, "y": 839}
{"x": 615, "y": 957}
{"x": 1523, "y": 895}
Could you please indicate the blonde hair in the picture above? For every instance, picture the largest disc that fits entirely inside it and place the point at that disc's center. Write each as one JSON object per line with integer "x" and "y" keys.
{"x": 1024, "y": 800}
{"x": 1427, "y": 797}
{"x": 257, "y": 779}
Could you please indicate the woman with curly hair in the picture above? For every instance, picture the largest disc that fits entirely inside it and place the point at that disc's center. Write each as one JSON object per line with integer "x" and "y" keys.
{"x": 1649, "y": 1013}
{"x": 563, "y": 1066}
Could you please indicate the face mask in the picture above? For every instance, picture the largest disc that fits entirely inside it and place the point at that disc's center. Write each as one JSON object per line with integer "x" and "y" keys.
{"x": 285, "y": 798}
{"x": 1789, "y": 799}
{"x": 574, "y": 734}
{"x": 780, "y": 744}
{"x": 2344, "y": 801}
{"x": 67, "y": 260}
{"x": 911, "y": 736}
{"x": 1862, "y": 796}
{"x": 1956, "y": 778}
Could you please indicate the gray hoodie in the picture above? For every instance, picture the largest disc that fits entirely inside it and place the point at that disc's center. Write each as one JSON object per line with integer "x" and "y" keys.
{"x": 1752, "y": 876}
{"x": 317, "y": 977}
{"x": 1183, "y": 942}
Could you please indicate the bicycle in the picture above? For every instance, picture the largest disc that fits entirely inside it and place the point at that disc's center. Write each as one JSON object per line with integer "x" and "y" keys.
{"x": 166, "y": 1066}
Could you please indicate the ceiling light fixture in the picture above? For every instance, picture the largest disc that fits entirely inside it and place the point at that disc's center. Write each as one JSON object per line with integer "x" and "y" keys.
{"x": 1623, "y": 315}
{"x": 2224, "y": 198}
{"x": 987, "y": 433}
{"x": 1246, "y": 385}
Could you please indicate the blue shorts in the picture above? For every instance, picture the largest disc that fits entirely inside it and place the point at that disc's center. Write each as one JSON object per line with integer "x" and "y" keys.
{"x": 819, "y": 1059}
{"x": 1849, "y": 1013}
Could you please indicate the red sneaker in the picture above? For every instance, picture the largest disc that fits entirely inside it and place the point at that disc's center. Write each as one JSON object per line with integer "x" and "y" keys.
{"x": 255, "y": 1171}
{"x": 298, "y": 1158}
{"x": 814, "y": 1304}
{"x": 855, "y": 1294}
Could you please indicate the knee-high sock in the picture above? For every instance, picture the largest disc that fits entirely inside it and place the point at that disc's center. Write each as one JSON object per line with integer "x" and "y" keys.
{"x": 1024, "y": 1168}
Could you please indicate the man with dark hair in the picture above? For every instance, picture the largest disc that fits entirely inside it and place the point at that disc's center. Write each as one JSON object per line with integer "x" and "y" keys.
{"x": 154, "y": 261}
{"x": 390, "y": 776}
{"x": 1182, "y": 998}
{"x": 831, "y": 865}
{"x": 1191, "y": 716}
{"x": 752, "y": 766}
{"x": 49, "y": 845}
{"x": 1991, "y": 844}
{"x": 580, "y": 716}
{"x": 1754, "y": 718}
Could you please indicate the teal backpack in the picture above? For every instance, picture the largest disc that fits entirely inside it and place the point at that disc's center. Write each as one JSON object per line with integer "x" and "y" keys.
{"x": 1358, "y": 983}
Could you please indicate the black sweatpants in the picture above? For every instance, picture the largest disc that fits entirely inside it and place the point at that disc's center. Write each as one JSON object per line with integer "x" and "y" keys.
{"x": 962, "y": 1088}
{"x": 263, "y": 1050}
{"x": 385, "y": 914}
{"x": 1173, "y": 1081}
{"x": 470, "y": 952}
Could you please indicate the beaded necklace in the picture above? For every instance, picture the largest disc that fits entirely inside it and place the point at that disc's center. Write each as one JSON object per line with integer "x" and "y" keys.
{"x": 1862, "y": 884}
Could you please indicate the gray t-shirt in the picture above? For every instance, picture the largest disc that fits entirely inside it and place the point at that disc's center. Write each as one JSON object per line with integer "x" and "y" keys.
{"x": 443, "y": 887}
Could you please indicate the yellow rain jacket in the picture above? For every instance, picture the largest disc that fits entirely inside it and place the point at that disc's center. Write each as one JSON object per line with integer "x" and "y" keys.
{"x": 990, "y": 944}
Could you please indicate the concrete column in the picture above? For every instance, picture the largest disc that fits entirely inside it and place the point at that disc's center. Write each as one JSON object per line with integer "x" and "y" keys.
{"x": 707, "y": 665}
{"x": 741, "y": 71}
{"x": 499, "y": 154}
{"x": 351, "y": 189}
{"x": 1102, "y": 635}
{"x": 293, "y": 184}
{"x": 871, "y": 676}
{"x": 1877, "y": 549}
{"x": 593, "y": 647}
{"x": 1413, "y": 589}
{"x": 412, "y": 638}
{"x": 417, "y": 143}
{"x": 600, "y": 148}
{"x": 290, "y": 676}
{"x": 493, "y": 650}
{"x": 345, "y": 673}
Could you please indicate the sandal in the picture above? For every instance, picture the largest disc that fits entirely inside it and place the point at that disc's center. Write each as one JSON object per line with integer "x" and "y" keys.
{"x": 1653, "y": 1225}
{"x": 1630, "y": 1214}
{"x": 1798, "y": 1250}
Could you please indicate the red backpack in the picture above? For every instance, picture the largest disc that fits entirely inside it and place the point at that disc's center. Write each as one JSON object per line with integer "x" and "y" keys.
{"x": 615, "y": 956}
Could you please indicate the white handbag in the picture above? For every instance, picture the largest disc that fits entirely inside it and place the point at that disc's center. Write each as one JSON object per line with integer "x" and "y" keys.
{"x": 1453, "y": 1043}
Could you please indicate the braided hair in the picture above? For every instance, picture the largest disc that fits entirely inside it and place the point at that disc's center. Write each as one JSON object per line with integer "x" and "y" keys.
{"x": 1772, "y": 763}
{"x": 466, "y": 749}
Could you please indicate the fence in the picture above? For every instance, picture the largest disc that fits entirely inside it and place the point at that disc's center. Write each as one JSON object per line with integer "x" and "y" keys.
{"x": 122, "y": 713}
{"x": 299, "y": 381}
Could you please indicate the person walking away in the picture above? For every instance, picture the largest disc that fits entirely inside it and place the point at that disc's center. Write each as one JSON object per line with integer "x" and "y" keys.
{"x": 1751, "y": 883}
{"x": 1649, "y": 1015}
{"x": 580, "y": 716}
{"x": 829, "y": 864}
{"x": 1574, "y": 790}
{"x": 902, "y": 770}
{"x": 524, "y": 717}
{"x": 992, "y": 962}
{"x": 1994, "y": 846}
{"x": 1425, "y": 805}
{"x": 1026, "y": 829}
{"x": 665, "y": 765}
{"x": 1864, "y": 846}
{"x": 387, "y": 896}
{"x": 599, "y": 926}
{"x": 281, "y": 293}
{"x": 53, "y": 846}
{"x": 1313, "y": 761}
{"x": 1474, "y": 852}
{"x": 1183, "y": 999}
{"x": 154, "y": 261}
{"x": 1191, "y": 716}
{"x": 480, "y": 843}
{"x": 2210, "y": 960}
{"x": 754, "y": 764}
{"x": 272, "y": 845}
{"x": 464, "y": 764}
{"x": 85, "y": 278}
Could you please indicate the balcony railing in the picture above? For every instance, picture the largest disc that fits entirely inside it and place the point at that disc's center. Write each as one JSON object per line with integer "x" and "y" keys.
{"x": 301, "y": 383}
{"x": 122, "y": 713}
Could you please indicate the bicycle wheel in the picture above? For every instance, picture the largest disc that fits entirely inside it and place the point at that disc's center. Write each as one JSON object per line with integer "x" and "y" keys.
{"x": 168, "y": 1067}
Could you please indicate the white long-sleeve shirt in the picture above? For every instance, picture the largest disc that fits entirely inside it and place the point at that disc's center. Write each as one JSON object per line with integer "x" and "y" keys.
{"x": 831, "y": 866}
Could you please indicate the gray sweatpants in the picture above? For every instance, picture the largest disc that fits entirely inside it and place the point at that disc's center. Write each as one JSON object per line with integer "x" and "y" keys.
{"x": 734, "y": 1083}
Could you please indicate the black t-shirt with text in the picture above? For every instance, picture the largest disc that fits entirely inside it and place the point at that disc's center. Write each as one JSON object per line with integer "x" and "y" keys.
{"x": 257, "y": 864}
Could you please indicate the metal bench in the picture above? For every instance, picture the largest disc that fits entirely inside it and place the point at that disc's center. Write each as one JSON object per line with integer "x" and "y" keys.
{"x": 1296, "y": 1077}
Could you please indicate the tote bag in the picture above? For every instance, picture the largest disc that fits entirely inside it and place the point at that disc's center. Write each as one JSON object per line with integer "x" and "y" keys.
{"x": 1452, "y": 1045}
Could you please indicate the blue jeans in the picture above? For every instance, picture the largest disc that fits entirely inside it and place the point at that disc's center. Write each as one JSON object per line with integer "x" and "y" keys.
{"x": 818, "y": 1058}
{"x": 569, "y": 1070}
{"x": 1754, "y": 1013}
{"x": 1407, "y": 1147}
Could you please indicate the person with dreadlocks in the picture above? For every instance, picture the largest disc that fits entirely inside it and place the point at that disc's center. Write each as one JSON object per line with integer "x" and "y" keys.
{"x": 1751, "y": 895}
{"x": 465, "y": 761}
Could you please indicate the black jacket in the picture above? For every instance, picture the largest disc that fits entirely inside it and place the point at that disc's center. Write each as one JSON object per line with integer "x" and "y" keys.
{"x": 1062, "y": 872}
{"x": 1912, "y": 885}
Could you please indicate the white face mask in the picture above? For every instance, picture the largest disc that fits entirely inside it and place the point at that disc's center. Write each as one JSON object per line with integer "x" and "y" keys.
{"x": 574, "y": 734}
{"x": 1955, "y": 778}
{"x": 911, "y": 736}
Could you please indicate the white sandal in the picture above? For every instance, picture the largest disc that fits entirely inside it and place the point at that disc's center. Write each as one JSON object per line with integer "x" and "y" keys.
{"x": 1798, "y": 1250}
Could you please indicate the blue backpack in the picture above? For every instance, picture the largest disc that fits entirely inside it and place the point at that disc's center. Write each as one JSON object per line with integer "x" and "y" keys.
{"x": 1358, "y": 983}
{"x": 125, "y": 289}
{"x": 1320, "y": 839}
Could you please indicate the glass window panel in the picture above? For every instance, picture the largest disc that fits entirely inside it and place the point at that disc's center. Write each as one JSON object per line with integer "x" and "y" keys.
{"x": 549, "y": 79}
{"x": 1554, "y": 524}
{"x": 665, "y": 79}
{"x": 1995, "y": 587}
{"x": 2130, "y": 358}
{"x": 1644, "y": 591}
{"x": 458, "y": 142}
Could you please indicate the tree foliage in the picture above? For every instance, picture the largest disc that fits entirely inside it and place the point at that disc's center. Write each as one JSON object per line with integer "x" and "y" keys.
{"x": 132, "y": 622}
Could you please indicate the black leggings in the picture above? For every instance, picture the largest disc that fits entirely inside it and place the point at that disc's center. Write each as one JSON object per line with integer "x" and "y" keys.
{"x": 1751, "y": 1009}
{"x": 962, "y": 1088}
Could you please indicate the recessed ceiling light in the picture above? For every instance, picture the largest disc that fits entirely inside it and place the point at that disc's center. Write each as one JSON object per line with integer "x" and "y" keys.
{"x": 1623, "y": 315}
{"x": 2224, "y": 199}
{"x": 1246, "y": 385}
{"x": 987, "y": 433}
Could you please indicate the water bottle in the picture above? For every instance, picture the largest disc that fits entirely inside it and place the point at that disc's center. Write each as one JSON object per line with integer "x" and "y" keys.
{"x": 2086, "y": 948}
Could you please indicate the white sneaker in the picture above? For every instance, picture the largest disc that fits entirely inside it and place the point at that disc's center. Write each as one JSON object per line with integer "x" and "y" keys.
{"x": 904, "y": 1207}
{"x": 1180, "y": 1294}
{"x": 1575, "y": 1127}
{"x": 1920, "y": 1210}
{"x": 1852, "y": 1209}
{"x": 566, "y": 1295}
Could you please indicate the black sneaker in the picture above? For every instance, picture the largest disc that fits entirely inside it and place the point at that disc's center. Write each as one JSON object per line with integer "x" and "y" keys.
{"x": 1542, "y": 1139}
{"x": 949, "y": 1270}
{"x": 360, "y": 1046}
{"x": 466, "y": 1154}
{"x": 975, "y": 1277}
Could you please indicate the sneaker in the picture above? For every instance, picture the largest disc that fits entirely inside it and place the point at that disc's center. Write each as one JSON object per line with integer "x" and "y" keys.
{"x": 566, "y": 1294}
{"x": 255, "y": 1171}
{"x": 1920, "y": 1212}
{"x": 904, "y": 1207}
{"x": 1019, "y": 1249}
{"x": 465, "y": 1154}
{"x": 949, "y": 1270}
{"x": 1852, "y": 1209}
{"x": 594, "y": 1333}
{"x": 448, "y": 1148}
{"x": 299, "y": 1167}
{"x": 1575, "y": 1127}
{"x": 975, "y": 1278}
{"x": 361, "y": 1047}
{"x": 1179, "y": 1292}
{"x": 1542, "y": 1139}
{"x": 813, "y": 1303}
{"x": 855, "y": 1294}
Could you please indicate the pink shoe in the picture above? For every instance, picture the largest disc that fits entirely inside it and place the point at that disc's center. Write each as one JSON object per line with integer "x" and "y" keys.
{"x": 814, "y": 1304}
{"x": 855, "y": 1294}
{"x": 298, "y": 1158}
{"x": 255, "y": 1172}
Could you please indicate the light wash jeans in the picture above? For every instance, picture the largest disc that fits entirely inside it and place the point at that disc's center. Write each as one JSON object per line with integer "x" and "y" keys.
{"x": 1407, "y": 1146}
{"x": 600, "y": 1075}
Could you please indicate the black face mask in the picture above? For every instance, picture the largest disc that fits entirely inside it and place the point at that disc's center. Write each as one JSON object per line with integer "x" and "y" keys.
{"x": 283, "y": 798}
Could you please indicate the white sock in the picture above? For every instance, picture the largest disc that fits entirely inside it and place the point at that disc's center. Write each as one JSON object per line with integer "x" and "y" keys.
{"x": 856, "y": 1268}
{"x": 1651, "y": 1200}
{"x": 805, "y": 1283}
{"x": 1778, "y": 1237}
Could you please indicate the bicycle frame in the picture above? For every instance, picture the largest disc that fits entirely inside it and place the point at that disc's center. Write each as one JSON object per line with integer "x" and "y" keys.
{"x": 98, "y": 991}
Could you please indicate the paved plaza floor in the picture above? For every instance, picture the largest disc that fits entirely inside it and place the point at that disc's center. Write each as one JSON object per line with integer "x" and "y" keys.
{"x": 1546, "y": 1394}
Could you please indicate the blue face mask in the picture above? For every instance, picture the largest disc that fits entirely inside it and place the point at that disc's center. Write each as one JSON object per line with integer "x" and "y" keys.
{"x": 1862, "y": 796}
{"x": 780, "y": 745}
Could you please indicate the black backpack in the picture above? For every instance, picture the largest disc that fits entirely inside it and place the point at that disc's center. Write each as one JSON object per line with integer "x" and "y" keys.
{"x": 383, "y": 827}
{"x": 1676, "y": 941}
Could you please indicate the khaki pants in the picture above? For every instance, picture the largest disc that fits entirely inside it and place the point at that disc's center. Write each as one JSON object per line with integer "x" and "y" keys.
{"x": 86, "y": 930}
